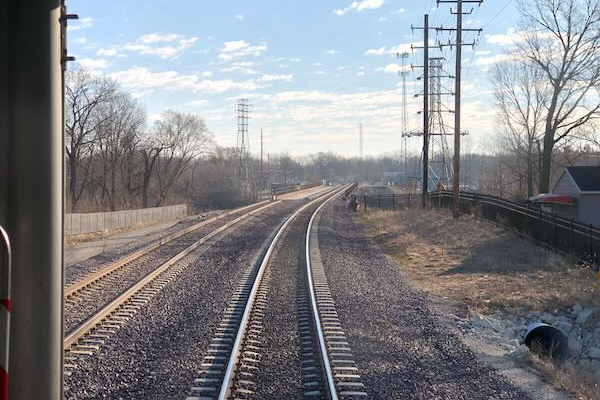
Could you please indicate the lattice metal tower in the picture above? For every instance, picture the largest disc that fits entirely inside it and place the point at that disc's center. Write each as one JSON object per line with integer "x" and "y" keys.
{"x": 440, "y": 156}
{"x": 243, "y": 144}
{"x": 404, "y": 140}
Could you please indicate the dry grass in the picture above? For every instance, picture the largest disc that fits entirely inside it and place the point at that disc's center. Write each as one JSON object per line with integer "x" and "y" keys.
{"x": 479, "y": 267}
{"x": 71, "y": 240}
{"x": 568, "y": 377}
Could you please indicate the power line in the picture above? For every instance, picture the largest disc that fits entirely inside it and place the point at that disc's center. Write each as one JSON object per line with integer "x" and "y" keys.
{"x": 497, "y": 14}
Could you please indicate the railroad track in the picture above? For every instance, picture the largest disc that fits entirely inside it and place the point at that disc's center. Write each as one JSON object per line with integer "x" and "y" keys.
{"x": 232, "y": 360}
{"x": 87, "y": 337}
{"x": 85, "y": 296}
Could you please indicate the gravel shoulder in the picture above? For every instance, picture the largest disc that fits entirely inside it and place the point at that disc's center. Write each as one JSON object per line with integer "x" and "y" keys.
{"x": 157, "y": 354}
{"x": 400, "y": 344}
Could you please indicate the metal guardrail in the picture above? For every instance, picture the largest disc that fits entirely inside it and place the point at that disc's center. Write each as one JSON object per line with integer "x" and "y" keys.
{"x": 557, "y": 232}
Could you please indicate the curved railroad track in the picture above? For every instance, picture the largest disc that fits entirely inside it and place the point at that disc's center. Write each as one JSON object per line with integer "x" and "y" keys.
{"x": 232, "y": 360}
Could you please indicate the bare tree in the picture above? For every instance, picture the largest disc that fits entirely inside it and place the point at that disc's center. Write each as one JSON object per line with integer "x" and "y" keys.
{"x": 84, "y": 94}
{"x": 562, "y": 40}
{"x": 122, "y": 120}
{"x": 183, "y": 137}
{"x": 521, "y": 97}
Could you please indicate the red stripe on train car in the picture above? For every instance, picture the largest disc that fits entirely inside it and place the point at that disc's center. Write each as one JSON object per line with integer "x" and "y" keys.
{"x": 6, "y": 303}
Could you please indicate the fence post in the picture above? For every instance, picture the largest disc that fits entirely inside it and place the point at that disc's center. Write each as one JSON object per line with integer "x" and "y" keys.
{"x": 409, "y": 200}
{"x": 571, "y": 236}
{"x": 365, "y": 202}
{"x": 394, "y": 201}
{"x": 379, "y": 201}
{"x": 540, "y": 225}
{"x": 554, "y": 230}
{"x": 591, "y": 244}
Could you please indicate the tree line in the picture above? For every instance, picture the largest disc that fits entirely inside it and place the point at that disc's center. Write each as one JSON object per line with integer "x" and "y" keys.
{"x": 547, "y": 91}
{"x": 114, "y": 160}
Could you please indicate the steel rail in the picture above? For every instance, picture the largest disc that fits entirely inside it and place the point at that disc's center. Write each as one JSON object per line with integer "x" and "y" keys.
{"x": 98, "y": 275}
{"x": 228, "y": 380}
{"x": 315, "y": 310}
{"x": 97, "y": 318}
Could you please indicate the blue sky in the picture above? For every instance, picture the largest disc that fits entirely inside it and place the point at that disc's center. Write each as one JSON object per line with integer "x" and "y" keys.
{"x": 313, "y": 70}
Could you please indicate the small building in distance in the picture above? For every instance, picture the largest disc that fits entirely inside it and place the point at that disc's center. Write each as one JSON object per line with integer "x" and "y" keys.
{"x": 393, "y": 178}
{"x": 576, "y": 195}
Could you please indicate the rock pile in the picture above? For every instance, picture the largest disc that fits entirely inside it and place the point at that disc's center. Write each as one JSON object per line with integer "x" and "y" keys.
{"x": 580, "y": 324}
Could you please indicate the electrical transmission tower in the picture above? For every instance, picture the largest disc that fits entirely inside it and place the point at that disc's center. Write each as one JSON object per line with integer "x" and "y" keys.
{"x": 244, "y": 167}
{"x": 440, "y": 158}
{"x": 404, "y": 140}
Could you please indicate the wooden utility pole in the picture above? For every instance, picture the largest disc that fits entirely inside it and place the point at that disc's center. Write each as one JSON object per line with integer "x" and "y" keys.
{"x": 425, "y": 182}
{"x": 457, "y": 99}
{"x": 457, "y": 86}
{"x": 426, "y": 94}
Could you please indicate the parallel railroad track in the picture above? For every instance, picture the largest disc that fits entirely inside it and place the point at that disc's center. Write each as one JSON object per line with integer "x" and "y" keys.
{"x": 87, "y": 295}
{"x": 232, "y": 360}
{"x": 88, "y": 336}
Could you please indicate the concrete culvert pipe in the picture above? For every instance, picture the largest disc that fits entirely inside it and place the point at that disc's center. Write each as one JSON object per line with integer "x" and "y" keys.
{"x": 547, "y": 341}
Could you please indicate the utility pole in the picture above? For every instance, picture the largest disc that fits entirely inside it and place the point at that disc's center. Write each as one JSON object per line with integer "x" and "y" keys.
{"x": 457, "y": 101}
{"x": 262, "y": 172}
{"x": 360, "y": 140}
{"x": 425, "y": 66}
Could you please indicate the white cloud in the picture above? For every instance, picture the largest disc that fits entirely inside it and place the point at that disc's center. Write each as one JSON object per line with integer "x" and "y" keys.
{"x": 320, "y": 72}
{"x": 296, "y": 59}
{"x": 240, "y": 48}
{"x": 141, "y": 78}
{"x": 486, "y": 62}
{"x": 382, "y": 19}
{"x": 93, "y": 64}
{"x": 196, "y": 103}
{"x": 376, "y": 52}
{"x": 271, "y": 78}
{"x": 83, "y": 23}
{"x": 359, "y": 6}
{"x": 317, "y": 64}
{"x": 243, "y": 67}
{"x": 151, "y": 38}
{"x": 224, "y": 85}
{"x": 80, "y": 40}
{"x": 137, "y": 78}
{"x": 207, "y": 74}
{"x": 239, "y": 16}
{"x": 162, "y": 45}
{"x": 360, "y": 73}
{"x": 401, "y": 11}
{"x": 401, "y": 48}
{"x": 393, "y": 68}
{"x": 507, "y": 39}
{"x": 163, "y": 51}
{"x": 107, "y": 52}
{"x": 332, "y": 51}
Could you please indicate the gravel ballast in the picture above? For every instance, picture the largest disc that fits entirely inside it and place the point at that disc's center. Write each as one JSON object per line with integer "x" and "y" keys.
{"x": 157, "y": 353}
{"x": 400, "y": 346}
{"x": 79, "y": 270}
{"x": 279, "y": 374}
{"x": 75, "y": 314}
